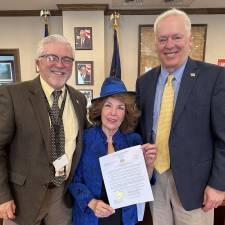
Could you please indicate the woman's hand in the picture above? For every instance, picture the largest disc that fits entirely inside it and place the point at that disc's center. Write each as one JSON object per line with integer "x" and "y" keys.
{"x": 149, "y": 151}
{"x": 100, "y": 208}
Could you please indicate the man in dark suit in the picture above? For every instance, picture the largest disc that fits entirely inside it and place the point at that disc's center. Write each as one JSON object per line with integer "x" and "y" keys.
{"x": 29, "y": 193}
{"x": 183, "y": 112}
{"x": 83, "y": 42}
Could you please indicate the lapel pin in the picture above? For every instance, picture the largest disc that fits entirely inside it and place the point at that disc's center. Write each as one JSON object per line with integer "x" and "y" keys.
{"x": 78, "y": 102}
{"x": 192, "y": 74}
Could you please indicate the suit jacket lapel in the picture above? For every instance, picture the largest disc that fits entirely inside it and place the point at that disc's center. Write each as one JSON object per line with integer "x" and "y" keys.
{"x": 187, "y": 83}
{"x": 38, "y": 101}
{"x": 151, "y": 81}
{"x": 78, "y": 112}
{"x": 77, "y": 107}
{"x": 151, "y": 97}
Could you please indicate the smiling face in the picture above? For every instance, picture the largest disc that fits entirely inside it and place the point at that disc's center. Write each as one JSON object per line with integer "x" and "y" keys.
{"x": 55, "y": 73}
{"x": 173, "y": 42}
{"x": 112, "y": 115}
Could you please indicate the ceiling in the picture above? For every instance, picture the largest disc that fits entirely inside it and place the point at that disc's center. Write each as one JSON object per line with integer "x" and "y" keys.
{"x": 113, "y": 4}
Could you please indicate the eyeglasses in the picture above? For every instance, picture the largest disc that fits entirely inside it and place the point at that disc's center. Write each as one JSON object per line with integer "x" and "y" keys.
{"x": 66, "y": 60}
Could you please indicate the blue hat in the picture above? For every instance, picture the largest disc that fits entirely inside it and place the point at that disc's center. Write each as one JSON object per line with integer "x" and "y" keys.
{"x": 112, "y": 86}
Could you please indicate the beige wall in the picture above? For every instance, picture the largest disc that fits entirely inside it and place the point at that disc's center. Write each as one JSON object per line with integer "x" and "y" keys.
{"x": 95, "y": 20}
{"x": 25, "y": 32}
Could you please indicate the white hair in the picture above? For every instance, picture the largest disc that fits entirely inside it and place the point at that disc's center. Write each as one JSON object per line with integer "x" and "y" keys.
{"x": 173, "y": 12}
{"x": 50, "y": 39}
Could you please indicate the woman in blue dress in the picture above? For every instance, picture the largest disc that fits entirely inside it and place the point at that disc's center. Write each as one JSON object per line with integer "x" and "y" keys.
{"x": 114, "y": 115}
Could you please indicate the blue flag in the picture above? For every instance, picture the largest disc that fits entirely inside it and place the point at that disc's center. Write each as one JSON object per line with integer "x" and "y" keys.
{"x": 115, "y": 66}
{"x": 46, "y": 30}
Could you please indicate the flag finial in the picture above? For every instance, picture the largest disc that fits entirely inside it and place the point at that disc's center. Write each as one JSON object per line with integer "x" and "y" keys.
{"x": 115, "y": 17}
{"x": 45, "y": 13}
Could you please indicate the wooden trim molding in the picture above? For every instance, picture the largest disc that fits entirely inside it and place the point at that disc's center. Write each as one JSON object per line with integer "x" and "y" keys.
{"x": 107, "y": 10}
{"x": 197, "y": 11}
{"x": 83, "y": 7}
{"x": 23, "y": 13}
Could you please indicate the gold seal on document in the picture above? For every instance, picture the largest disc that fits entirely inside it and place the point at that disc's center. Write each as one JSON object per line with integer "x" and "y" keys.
{"x": 119, "y": 195}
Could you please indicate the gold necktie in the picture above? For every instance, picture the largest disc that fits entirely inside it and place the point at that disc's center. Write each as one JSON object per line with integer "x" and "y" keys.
{"x": 162, "y": 162}
{"x": 110, "y": 145}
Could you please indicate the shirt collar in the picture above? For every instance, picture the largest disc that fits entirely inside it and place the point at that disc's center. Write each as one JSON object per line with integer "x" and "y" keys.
{"x": 115, "y": 136}
{"x": 177, "y": 73}
{"x": 48, "y": 89}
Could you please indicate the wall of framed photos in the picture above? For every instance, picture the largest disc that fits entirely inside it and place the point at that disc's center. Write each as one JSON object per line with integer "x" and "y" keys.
{"x": 89, "y": 68}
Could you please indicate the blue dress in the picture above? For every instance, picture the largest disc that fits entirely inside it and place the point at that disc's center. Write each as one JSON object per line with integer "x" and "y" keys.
{"x": 87, "y": 182}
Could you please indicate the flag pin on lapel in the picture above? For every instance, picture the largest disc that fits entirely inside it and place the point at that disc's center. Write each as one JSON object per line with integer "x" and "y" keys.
{"x": 193, "y": 75}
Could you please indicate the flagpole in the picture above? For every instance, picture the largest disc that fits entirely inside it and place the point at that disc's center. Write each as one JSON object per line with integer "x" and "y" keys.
{"x": 115, "y": 65}
{"x": 45, "y": 13}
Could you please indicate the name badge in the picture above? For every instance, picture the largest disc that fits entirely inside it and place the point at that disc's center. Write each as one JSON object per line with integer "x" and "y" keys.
{"x": 60, "y": 162}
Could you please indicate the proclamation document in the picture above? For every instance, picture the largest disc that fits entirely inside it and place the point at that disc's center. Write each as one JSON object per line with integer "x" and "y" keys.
{"x": 126, "y": 178}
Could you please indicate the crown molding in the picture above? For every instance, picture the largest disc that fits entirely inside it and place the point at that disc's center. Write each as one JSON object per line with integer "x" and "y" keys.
{"x": 197, "y": 11}
{"x": 83, "y": 7}
{"x": 22, "y": 13}
{"x": 107, "y": 11}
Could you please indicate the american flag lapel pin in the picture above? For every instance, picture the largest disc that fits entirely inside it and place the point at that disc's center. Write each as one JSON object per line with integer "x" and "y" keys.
{"x": 193, "y": 75}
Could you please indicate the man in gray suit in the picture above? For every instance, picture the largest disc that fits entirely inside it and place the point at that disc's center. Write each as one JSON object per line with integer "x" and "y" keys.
{"x": 29, "y": 194}
{"x": 190, "y": 164}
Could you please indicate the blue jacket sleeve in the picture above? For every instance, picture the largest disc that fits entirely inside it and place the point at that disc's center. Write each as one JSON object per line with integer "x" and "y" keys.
{"x": 78, "y": 189}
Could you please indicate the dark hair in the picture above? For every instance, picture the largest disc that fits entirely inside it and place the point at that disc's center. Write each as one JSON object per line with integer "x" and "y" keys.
{"x": 131, "y": 111}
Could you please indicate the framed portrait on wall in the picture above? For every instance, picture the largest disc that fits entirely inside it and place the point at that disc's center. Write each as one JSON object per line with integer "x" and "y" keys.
{"x": 6, "y": 72}
{"x": 88, "y": 94}
{"x": 83, "y": 38}
{"x": 9, "y": 66}
{"x": 84, "y": 72}
{"x": 147, "y": 56}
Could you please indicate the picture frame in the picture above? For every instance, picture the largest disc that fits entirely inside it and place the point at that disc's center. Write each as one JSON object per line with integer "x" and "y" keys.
{"x": 10, "y": 66}
{"x": 83, "y": 38}
{"x": 88, "y": 94}
{"x": 84, "y": 72}
{"x": 7, "y": 74}
{"x": 147, "y": 57}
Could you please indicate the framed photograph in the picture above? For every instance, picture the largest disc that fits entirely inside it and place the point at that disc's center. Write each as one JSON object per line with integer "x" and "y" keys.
{"x": 147, "y": 57}
{"x": 83, "y": 38}
{"x": 9, "y": 66}
{"x": 7, "y": 74}
{"x": 84, "y": 72}
{"x": 88, "y": 94}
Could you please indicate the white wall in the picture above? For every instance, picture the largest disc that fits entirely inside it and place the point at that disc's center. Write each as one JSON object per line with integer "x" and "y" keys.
{"x": 25, "y": 32}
